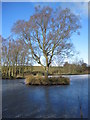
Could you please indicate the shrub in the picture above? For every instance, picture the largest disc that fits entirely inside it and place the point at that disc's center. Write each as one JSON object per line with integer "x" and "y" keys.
{"x": 39, "y": 74}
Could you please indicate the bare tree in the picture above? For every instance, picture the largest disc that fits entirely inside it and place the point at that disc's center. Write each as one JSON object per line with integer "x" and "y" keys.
{"x": 15, "y": 56}
{"x": 47, "y": 33}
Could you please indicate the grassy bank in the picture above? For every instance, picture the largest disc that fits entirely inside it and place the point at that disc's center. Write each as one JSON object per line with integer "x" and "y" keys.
{"x": 39, "y": 80}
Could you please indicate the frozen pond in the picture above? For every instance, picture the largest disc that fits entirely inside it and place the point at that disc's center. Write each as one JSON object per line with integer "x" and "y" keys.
{"x": 21, "y": 101}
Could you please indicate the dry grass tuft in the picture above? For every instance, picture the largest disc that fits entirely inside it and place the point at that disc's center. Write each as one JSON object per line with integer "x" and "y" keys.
{"x": 40, "y": 80}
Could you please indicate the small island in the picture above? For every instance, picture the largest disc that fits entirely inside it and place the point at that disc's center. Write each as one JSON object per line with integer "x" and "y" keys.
{"x": 41, "y": 80}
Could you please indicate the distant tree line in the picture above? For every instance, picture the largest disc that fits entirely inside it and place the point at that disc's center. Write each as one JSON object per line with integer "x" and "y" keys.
{"x": 76, "y": 68}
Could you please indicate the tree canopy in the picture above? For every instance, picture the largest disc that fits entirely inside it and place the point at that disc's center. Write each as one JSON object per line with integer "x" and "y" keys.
{"x": 48, "y": 33}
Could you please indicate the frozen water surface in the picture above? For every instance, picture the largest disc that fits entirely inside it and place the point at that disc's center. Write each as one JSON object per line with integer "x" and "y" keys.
{"x": 21, "y": 101}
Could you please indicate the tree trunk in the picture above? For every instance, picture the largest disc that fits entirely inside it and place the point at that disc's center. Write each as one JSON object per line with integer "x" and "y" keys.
{"x": 12, "y": 72}
{"x": 23, "y": 70}
{"x": 16, "y": 70}
{"x": 19, "y": 70}
{"x": 9, "y": 72}
{"x": 46, "y": 72}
